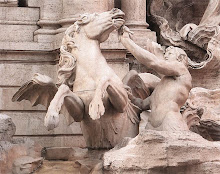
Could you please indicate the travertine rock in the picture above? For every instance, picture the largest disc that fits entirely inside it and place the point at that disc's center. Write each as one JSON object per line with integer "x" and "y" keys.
{"x": 11, "y": 150}
{"x": 65, "y": 153}
{"x": 202, "y": 112}
{"x": 26, "y": 164}
{"x": 7, "y": 128}
{"x": 81, "y": 161}
{"x": 164, "y": 153}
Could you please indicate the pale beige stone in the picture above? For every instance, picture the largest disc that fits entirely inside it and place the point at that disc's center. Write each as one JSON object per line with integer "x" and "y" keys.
{"x": 164, "y": 153}
{"x": 12, "y": 153}
{"x": 33, "y": 3}
{"x": 19, "y": 14}
{"x": 7, "y": 128}
{"x": 121, "y": 69}
{"x": 26, "y": 164}
{"x": 34, "y": 125}
{"x": 7, "y": 105}
{"x": 18, "y": 33}
{"x": 202, "y": 112}
{"x": 135, "y": 13}
{"x": 23, "y": 73}
{"x": 25, "y": 46}
{"x": 66, "y": 153}
{"x": 57, "y": 141}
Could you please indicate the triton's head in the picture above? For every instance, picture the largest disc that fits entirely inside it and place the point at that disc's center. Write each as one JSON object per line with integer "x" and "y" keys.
{"x": 176, "y": 54}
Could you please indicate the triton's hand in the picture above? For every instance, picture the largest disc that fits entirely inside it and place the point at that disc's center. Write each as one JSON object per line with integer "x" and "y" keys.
{"x": 124, "y": 33}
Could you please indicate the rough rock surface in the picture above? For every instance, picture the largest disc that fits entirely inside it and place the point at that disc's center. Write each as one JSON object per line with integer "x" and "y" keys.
{"x": 13, "y": 153}
{"x": 65, "y": 153}
{"x": 26, "y": 164}
{"x": 7, "y": 128}
{"x": 155, "y": 152}
{"x": 80, "y": 161}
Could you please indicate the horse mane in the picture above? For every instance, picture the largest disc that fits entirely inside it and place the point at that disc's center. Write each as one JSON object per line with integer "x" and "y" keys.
{"x": 67, "y": 62}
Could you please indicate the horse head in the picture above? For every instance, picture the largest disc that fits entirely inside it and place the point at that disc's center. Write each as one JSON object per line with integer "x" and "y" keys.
{"x": 98, "y": 26}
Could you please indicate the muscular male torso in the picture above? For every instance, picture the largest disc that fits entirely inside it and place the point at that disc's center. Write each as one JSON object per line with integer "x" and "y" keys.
{"x": 167, "y": 98}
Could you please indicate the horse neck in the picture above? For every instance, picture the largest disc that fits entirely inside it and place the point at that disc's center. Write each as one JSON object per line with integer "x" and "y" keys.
{"x": 87, "y": 47}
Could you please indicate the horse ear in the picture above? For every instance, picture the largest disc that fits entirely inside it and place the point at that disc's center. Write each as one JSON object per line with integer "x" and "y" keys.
{"x": 84, "y": 19}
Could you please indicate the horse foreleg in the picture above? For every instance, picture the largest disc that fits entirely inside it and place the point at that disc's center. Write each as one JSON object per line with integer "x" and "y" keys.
{"x": 73, "y": 103}
{"x": 96, "y": 106}
{"x": 117, "y": 95}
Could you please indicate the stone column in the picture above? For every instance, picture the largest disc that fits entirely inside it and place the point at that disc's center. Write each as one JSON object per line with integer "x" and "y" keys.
{"x": 72, "y": 9}
{"x": 135, "y": 13}
{"x": 135, "y": 18}
{"x": 50, "y": 12}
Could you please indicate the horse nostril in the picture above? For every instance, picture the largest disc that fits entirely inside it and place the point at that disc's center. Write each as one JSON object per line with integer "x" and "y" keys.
{"x": 114, "y": 10}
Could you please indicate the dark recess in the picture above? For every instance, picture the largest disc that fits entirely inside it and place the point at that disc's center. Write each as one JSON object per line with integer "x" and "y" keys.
{"x": 22, "y": 3}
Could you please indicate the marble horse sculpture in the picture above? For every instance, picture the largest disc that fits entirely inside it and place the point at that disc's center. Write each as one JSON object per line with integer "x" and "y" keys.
{"x": 88, "y": 90}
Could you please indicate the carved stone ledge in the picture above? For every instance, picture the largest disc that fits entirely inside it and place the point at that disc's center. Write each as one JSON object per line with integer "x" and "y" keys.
{"x": 8, "y": 3}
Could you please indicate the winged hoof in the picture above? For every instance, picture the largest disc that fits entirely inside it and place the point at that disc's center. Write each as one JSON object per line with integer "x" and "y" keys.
{"x": 51, "y": 120}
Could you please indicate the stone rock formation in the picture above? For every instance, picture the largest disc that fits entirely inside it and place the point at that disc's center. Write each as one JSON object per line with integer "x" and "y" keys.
{"x": 202, "y": 112}
{"x": 19, "y": 155}
{"x": 26, "y": 165}
{"x": 164, "y": 153}
{"x": 7, "y": 128}
{"x": 71, "y": 160}
{"x": 175, "y": 27}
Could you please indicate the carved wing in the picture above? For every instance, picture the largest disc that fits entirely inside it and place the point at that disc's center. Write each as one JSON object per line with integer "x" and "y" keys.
{"x": 39, "y": 90}
{"x": 141, "y": 84}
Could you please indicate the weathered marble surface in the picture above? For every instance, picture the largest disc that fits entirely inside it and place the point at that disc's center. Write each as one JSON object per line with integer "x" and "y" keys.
{"x": 7, "y": 128}
{"x": 202, "y": 112}
{"x": 20, "y": 156}
{"x": 71, "y": 160}
{"x": 164, "y": 153}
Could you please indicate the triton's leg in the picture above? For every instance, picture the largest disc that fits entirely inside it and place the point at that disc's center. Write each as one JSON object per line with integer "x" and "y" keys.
{"x": 75, "y": 107}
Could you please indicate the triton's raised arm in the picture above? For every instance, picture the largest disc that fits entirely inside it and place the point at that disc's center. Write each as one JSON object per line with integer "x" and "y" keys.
{"x": 147, "y": 58}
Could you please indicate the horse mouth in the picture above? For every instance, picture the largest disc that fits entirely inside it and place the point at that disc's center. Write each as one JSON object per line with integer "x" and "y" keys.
{"x": 118, "y": 21}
